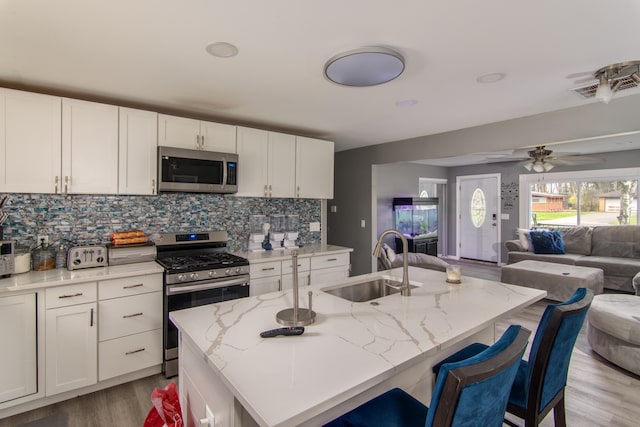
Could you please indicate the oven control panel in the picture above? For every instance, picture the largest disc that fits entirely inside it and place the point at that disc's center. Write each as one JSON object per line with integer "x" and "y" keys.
{"x": 86, "y": 257}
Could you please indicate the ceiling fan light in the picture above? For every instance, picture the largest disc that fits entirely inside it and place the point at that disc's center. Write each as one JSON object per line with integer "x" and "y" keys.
{"x": 528, "y": 166}
{"x": 538, "y": 167}
{"x": 547, "y": 166}
{"x": 636, "y": 77}
{"x": 604, "y": 92}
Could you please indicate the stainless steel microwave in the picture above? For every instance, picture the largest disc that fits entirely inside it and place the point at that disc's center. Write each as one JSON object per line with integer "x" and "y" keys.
{"x": 197, "y": 171}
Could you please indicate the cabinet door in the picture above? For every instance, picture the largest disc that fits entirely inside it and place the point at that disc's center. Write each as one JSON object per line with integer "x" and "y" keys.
{"x": 304, "y": 279}
{"x": 314, "y": 168}
{"x": 330, "y": 276}
{"x": 30, "y": 141}
{"x": 89, "y": 147}
{"x": 218, "y": 137}
{"x": 178, "y": 132}
{"x": 72, "y": 348}
{"x": 252, "y": 162}
{"x": 18, "y": 358}
{"x": 281, "y": 165}
{"x": 265, "y": 285}
{"x": 138, "y": 151}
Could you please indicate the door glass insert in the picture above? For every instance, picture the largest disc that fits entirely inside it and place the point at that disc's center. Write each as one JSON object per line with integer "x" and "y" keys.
{"x": 478, "y": 208}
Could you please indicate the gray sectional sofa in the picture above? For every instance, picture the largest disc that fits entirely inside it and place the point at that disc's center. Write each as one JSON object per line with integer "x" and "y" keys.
{"x": 615, "y": 249}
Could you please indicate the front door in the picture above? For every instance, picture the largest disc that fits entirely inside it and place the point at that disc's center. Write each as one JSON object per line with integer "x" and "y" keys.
{"x": 478, "y": 216}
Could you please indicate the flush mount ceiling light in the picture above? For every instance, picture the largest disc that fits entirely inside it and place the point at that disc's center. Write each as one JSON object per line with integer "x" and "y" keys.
{"x": 616, "y": 77}
{"x": 367, "y": 66}
{"x": 222, "y": 49}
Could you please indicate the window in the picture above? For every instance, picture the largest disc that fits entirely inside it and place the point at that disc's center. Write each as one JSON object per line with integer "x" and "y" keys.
{"x": 478, "y": 208}
{"x": 580, "y": 198}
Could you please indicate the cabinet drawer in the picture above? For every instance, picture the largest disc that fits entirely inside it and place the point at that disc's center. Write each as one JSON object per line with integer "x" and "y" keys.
{"x": 116, "y": 288}
{"x": 126, "y": 316}
{"x": 265, "y": 269}
{"x": 63, "y": 296}
{"x": 129, "y": 354}
{"x": 304, "y": 264}
{"x": 331, "y": 260}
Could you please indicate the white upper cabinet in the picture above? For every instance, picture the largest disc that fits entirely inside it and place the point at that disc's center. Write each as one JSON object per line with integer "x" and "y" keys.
{"x": 282, "y": 165}
{"x": 138, "y": 146}
{"x": 218, "y": 137}
{"x": 195, "y": 134}
{"x": 30, "y": 140}
{"x": 89, "y": 147}
{"x": 266, "y": 163}
{"x": 314, "y": 168}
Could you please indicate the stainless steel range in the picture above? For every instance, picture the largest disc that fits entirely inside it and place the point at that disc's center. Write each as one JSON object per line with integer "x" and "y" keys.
{"x": 198, "y": 270}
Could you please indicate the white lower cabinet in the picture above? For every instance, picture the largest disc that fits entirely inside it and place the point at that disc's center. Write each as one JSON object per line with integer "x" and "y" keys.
{"x": 18, "y": 358}
{"x": 130, "y": 332}
{"x": 330, "y": 268}
{"x": 265, "y": 277}
{"x": 71, "y": 338}
{"x": 304, "y": 278}
{"x": 274, "y": 276}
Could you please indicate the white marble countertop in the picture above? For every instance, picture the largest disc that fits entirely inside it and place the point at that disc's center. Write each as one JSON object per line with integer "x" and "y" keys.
{"x": 283, "y": 254}
{"x": 351, "y": 346}
{"x": 62, "y": 276}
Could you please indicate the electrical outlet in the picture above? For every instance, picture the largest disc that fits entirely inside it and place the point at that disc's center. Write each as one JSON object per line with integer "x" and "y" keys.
{"x": 43, "y": 239}
{"x": 314, "y": 226}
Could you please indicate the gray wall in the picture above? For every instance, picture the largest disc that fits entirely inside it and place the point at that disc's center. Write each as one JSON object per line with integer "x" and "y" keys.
{"x": 353, "y": 180}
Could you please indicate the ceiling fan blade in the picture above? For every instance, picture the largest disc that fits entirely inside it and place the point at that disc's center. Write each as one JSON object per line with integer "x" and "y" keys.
{"x": 579, "y": 74}
{"x": 573, "y": 160}
{"x": 585, "y": 80}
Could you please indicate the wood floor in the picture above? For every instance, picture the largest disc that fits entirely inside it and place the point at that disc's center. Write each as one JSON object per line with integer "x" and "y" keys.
{"x": 598, "y": 393}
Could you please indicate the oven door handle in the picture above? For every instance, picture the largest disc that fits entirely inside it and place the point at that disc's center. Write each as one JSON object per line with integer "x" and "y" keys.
{"x": 182, "y": 289}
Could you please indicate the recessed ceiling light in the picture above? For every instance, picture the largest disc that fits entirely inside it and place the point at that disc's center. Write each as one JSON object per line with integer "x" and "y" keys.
{"x": 367, "y": 66}
{"x": 491, "y": 78}
{"x": 222, "y": 49}
{"x": 406, "y": 103}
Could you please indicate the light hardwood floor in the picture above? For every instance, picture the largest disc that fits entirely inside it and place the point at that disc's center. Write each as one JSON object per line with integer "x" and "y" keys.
{"x": 598, "y": 393}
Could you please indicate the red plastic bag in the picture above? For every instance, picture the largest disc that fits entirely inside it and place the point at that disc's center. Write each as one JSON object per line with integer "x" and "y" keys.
{"x": 166, "y": 408}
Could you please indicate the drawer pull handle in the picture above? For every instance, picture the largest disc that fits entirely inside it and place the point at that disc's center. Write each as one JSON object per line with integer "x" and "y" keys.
{"x": 267, "y": 269}
{"x": 126, "y": 316}
{"x": 91, "y": 319}
{"x": 134, "y": 351}
{"x": 332, "y": 259}
{"x": 70, "y": 296}
{"x": 133, "y": 286}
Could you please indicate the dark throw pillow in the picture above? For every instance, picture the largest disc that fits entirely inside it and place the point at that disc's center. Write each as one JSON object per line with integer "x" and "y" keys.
{"x": 547, "y": 242}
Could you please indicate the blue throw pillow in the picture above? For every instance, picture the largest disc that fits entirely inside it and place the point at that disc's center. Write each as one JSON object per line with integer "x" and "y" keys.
{"x": 547, "y": 242}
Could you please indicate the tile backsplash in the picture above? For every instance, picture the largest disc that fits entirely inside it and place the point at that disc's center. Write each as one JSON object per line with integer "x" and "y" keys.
{"x": 87, "y": 219}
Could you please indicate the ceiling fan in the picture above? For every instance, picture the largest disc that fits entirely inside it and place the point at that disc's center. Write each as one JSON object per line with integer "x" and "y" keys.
{"x": 606, "y": 81}
{"x": 541, "y": 160}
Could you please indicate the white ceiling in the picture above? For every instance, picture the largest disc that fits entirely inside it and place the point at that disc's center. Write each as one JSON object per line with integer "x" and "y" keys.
{"x": 152, "y": 52}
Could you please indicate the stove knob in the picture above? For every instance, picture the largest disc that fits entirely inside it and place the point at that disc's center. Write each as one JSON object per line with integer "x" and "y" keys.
{"x": 193, "y": 276}
{"x": 212, "y": 273}
{"x": 238, "y": 270}
{"x": 227, "y": 271}
{"x": 181, "y": 277}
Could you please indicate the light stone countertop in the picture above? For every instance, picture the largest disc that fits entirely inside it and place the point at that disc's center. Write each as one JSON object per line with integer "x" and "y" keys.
{"x": 351, "y": 347}
{"x": 62, "y": 276}
{"x": 284, "y": 254}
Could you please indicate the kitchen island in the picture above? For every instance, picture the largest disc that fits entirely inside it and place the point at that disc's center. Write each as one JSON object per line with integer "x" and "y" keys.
{"x": 352, "y": 352}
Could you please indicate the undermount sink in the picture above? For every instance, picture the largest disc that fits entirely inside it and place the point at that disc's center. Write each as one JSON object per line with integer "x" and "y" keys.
{"x": 367, "y": 289}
